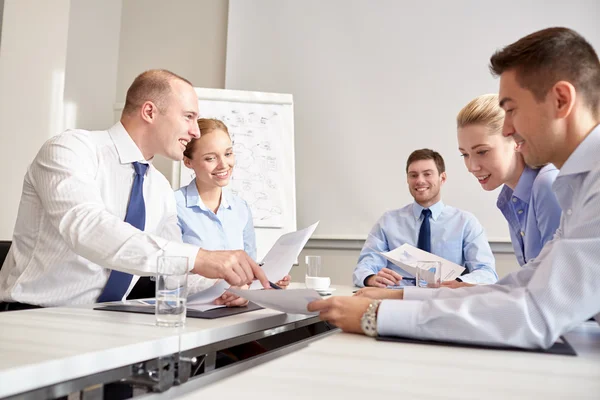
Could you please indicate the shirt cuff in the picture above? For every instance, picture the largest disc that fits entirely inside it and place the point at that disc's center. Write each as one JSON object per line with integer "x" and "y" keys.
{"x": 469, "y": 279}
{"x": 479, "y": 277}
{"x": 184, "y": 250}
{"x": 361, "y": 276}
{"x": 416, "y": 293}
{"x": 398, "y": 317}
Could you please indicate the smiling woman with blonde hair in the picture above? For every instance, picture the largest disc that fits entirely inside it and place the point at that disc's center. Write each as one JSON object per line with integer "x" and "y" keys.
{"x": 209, "y": 216}
{"x": 526, "y": 200}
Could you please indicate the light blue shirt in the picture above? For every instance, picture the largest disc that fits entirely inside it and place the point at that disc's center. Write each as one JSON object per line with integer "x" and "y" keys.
{"x": 532, "y": 211}
{"x": 231, "y": 228}
{"x": 530, "y": 307}
{"x": 456, "y": 235}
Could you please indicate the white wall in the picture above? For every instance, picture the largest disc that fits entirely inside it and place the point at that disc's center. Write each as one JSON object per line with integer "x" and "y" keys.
{"x": 187, "y": 37}
{"x": 373, "y": 81}
{"x": 1, "y": 11}
{"x": 32, "y": 69}
{"x": 92, "y": 59}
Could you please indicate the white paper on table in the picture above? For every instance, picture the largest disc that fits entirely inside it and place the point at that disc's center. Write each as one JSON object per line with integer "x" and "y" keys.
{"x": 208, "y": 296}
{"x": 407, "y": 256}
{"x": 279, "y": 260}
{"x": 293, "y": 301}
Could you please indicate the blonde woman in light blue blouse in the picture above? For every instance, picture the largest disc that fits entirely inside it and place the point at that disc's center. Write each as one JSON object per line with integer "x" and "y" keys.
{"x": 210, "y": 216}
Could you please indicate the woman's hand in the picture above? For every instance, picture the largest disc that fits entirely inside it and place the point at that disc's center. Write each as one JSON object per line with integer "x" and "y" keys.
{"x": 231, "y": 300}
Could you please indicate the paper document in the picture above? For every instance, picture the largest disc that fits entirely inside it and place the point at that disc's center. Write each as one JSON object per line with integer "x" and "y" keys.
{"x": 208, "y": 296}
{"x": 279, "y": 260}
{"x": 407, "y": 256}
{"x": 197, "y": 307}
{"x": 293, "y": 301}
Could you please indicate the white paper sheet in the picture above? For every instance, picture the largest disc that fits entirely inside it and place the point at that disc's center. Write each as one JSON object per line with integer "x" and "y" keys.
{"x": 279, "y": 260}
{"x": 293, "y": 301}
{"x": 208, "y": 296}
{"x": 407, "y": 256}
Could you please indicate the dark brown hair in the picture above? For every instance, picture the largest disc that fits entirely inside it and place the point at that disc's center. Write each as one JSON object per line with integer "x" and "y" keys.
{"x": 153, "y": 85}
{"x": 427, "y": 154}
{"x": 548, "y": 56}
{"x": 206, "y": 125}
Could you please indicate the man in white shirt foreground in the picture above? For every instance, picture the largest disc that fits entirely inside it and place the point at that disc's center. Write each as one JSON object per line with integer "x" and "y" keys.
{"x": 71, "y": 235}
{"x": 550, "y": 91}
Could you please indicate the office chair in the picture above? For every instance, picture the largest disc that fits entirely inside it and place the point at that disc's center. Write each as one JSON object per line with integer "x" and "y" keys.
{"x": 4, "y": 246}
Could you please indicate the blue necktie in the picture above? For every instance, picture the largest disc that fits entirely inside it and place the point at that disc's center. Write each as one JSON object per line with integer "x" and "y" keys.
{"x": 118, "y": 282}
{"x": 425, "y": 232}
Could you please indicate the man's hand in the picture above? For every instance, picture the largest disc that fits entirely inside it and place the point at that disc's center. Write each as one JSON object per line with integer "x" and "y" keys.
{"x": 385, "y": 277}
{"x": 343, "y": 312}
{"x": 234, "y": 266}
{"x": 285, "y": 282}
{"x": 379, "y": 293}
{"x": 231, "y": 300}
{"x": 456, "y": 284}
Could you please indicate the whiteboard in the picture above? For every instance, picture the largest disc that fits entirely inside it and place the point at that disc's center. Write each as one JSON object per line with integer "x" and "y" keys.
{"x": 261, "y": 126}
{"x": 374, "y": 80}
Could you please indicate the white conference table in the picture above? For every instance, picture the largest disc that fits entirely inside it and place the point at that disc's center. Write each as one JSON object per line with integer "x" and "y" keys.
{"x": 44, "y": 347}
{"x": 348, "y": 366}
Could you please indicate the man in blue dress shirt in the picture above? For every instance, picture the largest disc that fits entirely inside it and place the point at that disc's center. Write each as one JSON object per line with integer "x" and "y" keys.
{"x": 429, "y": 224}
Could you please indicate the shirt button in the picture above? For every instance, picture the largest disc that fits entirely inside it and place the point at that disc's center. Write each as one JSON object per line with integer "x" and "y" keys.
{"x": 514, "y": 199}
{"x": 520, "y": 212}
{"x": 522, "y": 233}
{"x": 569, "y": 211}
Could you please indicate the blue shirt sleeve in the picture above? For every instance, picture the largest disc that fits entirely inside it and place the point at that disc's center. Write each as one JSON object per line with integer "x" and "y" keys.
{"x": 479, "y": 259}
{"x": 180, "y": 203}
{"x": 250, "y": 235}
{"x": 547, "y": 209}
{"x": 369, "y": 262}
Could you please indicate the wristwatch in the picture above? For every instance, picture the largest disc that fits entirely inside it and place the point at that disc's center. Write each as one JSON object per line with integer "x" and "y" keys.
{"x": 368, "y": 322}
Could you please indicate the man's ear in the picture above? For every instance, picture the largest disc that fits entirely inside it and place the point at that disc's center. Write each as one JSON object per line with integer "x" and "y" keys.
{"x": 149, "y": 111}
{"x": 564, "y": 96}
{"x": 443, "y": 177}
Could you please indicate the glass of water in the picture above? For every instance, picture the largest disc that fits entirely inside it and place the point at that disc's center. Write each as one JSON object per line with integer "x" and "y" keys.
{"x": 429, "y": 274}
{"x": 171, "y": 290}
{"x": 313, "y": 265}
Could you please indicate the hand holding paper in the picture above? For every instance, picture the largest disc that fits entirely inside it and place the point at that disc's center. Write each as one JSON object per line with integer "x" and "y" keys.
{"x": 279, "y": 260}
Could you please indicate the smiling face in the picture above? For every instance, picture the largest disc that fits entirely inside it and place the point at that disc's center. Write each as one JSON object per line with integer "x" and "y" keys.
{"x": 212, "y": 160}
{"x": 425, "y": 182}
{"x": 538, "y": 135}
{"x": 176, "y": 125}
{"x": 489, "y": 156}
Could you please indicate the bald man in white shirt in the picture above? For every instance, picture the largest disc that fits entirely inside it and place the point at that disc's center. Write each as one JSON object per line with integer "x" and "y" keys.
{"x": 71, "y": 235}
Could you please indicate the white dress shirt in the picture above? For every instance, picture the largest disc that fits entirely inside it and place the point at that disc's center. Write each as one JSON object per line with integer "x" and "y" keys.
{"x": 531, "y": 307}
{"x": 70, "y": 230}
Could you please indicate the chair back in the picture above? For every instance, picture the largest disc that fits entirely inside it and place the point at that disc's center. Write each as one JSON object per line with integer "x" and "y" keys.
{"x": 4, "y": 247}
